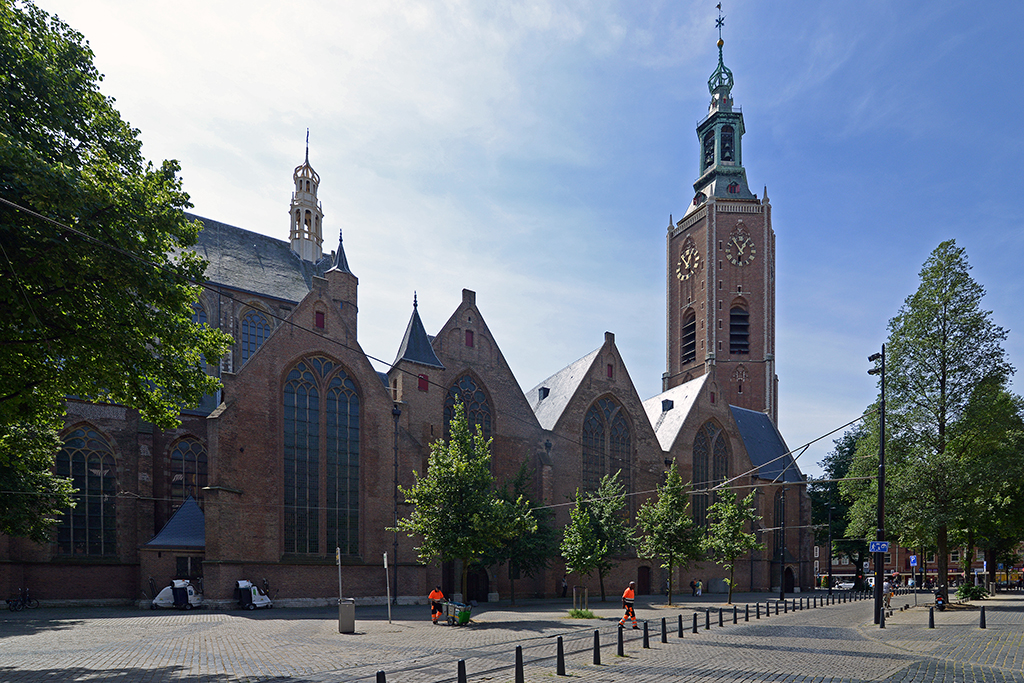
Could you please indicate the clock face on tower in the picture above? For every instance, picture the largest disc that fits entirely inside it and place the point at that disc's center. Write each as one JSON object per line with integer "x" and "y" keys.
{"x": 689, "y": 262}
{"x": 740, "y": 250}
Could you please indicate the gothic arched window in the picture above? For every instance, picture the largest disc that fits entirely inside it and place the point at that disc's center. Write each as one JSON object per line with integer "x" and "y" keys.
{"x": 255, "y": 328}
{"x": 198, "y": 314}
{"x": 188, "y": 470}
{"x": 473, "y": 397}
{"x": 739, "y": 330}
{"x": 321, "y": 398}
{"x": 778, "y": 520}
{"x": 607, "y": 444}
{"x": 688, "y": 341}
{"x": 90, "y": 528}
{"x": 710, "y": 467}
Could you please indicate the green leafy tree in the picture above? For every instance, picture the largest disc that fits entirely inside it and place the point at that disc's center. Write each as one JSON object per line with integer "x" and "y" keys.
{"x": 582, "y": 548}
{"x": 531, "y": 552}
{"x": 667, "y": 529}
{"x": 726, "y": 540}
{"x": 942, "y": 348}
{"x": 98, "y": 284}
{"x": 33, "y": 499}
{"x": 824, "y": 494}
{"x": 607, "y": 508}
{"x": 456, "y": 511}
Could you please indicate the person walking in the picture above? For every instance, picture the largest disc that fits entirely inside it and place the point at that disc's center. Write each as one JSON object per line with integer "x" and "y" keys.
{"x": 628, "y": 596}
{"x": 700, "y": 587}
{"x": 435, "y": 597}
{"x": 887, "y": 592}
{"x": 693, "y": 588}
{"x": 565, "y": 586}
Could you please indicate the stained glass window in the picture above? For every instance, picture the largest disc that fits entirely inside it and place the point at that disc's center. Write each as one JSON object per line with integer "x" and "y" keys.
{"x": 90, "y": 528}
{"x": 321, "y": 398}
{"x": 607, "y": 444}
{"x": 188, "y": 470}
{"x": 710, "y": 467}
{"x": 473, "y": 397}
{"x": 255, "y": 329}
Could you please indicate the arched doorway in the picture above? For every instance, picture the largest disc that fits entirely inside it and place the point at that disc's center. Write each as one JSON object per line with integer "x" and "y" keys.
{"x": 789, "y": 580}
{"x": 477, "y": 584}
{"x": 643, "y": 580}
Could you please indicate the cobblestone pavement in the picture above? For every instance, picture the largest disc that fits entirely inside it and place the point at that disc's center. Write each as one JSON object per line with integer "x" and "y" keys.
{"x": 834, "y": 643}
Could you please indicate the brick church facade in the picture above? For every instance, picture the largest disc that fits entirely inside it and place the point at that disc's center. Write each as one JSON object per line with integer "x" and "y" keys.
{"x": 301, "y": 451}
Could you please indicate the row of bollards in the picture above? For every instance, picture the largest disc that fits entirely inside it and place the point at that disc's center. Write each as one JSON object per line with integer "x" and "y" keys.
{"x": 796, "y": 604}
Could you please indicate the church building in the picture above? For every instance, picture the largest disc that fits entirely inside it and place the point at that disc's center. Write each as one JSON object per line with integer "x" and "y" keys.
{"x": 296, "y": 462}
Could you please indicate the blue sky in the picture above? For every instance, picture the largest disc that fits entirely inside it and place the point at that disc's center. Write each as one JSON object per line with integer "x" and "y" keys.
{"x": 533, "y": 151}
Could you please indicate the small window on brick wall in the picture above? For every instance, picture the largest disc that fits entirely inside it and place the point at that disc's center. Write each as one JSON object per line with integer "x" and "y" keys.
{"x": 469, "y": 337}
{"x": 320, "y": 319}
{"x": 424, "y": 382}
{"x": 888, "y": 558}
{"x": 611, "y": 371}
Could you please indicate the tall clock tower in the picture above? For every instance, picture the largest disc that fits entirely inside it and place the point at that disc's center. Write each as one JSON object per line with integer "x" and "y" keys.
{"x": 721, "y": 269}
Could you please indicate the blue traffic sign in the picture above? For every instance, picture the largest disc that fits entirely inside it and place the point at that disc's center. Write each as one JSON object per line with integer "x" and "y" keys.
{"x": 878, "y": 547}
{"x": 913, "y": 560}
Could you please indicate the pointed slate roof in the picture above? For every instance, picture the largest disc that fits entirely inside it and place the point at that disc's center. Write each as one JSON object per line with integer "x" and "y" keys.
{"x": 667, "y": 423}
{"x": 340, "y": 262}
{"x": 185, "y": 529}
{"x": 254, "y": 263}
{"x": 416, "y": 346}
{"x": 561, "y": 387}
{"x": 765, "y": 445}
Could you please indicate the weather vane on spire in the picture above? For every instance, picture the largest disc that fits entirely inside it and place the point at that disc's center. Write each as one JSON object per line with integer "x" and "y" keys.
{"x": 307, "y": 145}
{"x": 720, "y": 22}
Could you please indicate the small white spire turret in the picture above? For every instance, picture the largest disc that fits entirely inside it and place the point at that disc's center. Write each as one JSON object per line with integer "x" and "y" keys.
{"x": 306, "y": 234}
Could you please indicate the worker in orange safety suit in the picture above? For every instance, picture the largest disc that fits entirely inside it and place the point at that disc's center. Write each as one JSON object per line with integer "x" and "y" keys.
{"x": 435, "y": 597}
{"x": 627, "y": 603}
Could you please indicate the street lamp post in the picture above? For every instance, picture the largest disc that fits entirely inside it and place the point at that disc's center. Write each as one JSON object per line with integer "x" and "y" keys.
{"x": 782, "y": 556}
{"x": 880, "y": 530}
{"x": 396, "y": 412}
{"x": 830, "y": 509}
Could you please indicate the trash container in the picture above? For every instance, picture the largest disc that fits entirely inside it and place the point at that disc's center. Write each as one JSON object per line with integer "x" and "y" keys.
{"x": 347, "y": 615}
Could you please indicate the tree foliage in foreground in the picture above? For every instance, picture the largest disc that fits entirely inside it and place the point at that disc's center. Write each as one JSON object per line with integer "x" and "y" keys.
{"x": 944, "y": 365}
{"x": 607, "y": 508}
{"x": 581, "y": 547}
{"x": 727, "y": 540}
{"x": 667, "y": 529}
{"x": 100, "y": 309}
{"x": 456, "y": 512}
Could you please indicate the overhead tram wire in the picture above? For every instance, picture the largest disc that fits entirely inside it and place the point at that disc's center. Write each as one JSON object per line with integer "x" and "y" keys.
{"x": 287, "y": 321}
{"x": 230, "y": 297}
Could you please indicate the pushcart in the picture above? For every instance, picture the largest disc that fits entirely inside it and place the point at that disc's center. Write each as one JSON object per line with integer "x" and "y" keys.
{"x": 456, "y": 613}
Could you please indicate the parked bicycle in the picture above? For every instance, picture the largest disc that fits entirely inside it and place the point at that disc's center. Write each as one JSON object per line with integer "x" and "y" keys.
{"x": 23, "y": 601}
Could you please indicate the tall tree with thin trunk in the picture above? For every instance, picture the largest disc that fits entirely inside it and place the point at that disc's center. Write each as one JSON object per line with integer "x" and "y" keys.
{"x": 728, "y": 538}
{"x": 942, "y": 347}
{"x": 667, "y": 529}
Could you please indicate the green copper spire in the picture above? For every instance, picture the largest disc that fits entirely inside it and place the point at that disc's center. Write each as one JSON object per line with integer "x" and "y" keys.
{"x": 720, "y": 83}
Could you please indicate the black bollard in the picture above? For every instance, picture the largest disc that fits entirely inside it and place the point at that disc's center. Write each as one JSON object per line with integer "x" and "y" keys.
{"x": 881, "y": 619}
{"x": 757, "y": 610}
{"x": 931, "y": 617}
{"x": 746, "y": 612}
{"x": 707, "y": 619}
{"x": 785, "y": 607}
{"x": 597, "y": 647}
{"x": 381, "y": 678}
{"x": 520, "y": 676}
{"x": 619, "y": 650}
{"x": 559, "y": 661}
{"x": 982, "y": 624}
{"x": 694, "y": 622}
{"x": 734, "y": 612}
{"x": 664, "y": 631}
{"x": 462, "y": 666}
{"x": 647, "y": 642}
{"x": 680, "y": 625}
{"x": 719, "y": 617}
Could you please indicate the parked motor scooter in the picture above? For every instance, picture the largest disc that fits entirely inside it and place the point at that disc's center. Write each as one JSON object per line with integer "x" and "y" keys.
{"x": 940, "y": 600}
